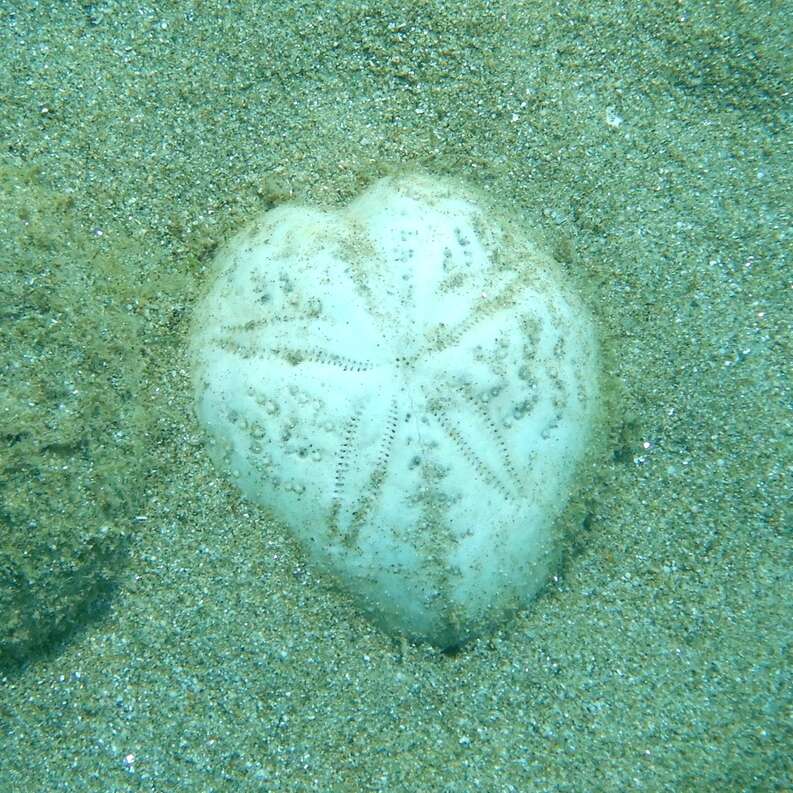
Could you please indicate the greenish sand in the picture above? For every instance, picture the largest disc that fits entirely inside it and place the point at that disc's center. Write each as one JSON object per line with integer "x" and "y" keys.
{"x": 647, "y": 142}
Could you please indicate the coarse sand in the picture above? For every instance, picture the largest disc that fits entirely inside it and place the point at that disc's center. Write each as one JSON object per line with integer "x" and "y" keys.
{"x": 648, "y": 139}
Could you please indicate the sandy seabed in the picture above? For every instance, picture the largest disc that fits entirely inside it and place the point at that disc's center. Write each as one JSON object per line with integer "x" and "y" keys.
{"x": 645, "y": 142}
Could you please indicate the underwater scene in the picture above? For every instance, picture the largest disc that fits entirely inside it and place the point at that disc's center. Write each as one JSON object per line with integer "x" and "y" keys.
{"x": 396, "y": 396}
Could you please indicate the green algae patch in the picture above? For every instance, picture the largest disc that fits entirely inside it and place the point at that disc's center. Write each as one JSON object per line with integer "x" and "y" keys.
{"x": 71, "y": 422}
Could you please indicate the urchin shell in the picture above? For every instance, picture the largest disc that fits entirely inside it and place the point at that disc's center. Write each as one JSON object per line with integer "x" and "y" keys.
{"x": 409, "y": 384}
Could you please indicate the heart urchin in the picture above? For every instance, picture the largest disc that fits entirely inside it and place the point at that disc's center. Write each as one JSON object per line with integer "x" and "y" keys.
{"x": 409, "y": 384}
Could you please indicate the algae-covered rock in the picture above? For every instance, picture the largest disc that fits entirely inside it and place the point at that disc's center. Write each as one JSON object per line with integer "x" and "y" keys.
{"x": 70, "y": 420}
